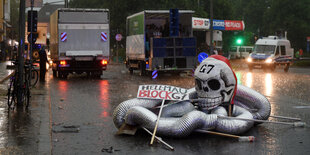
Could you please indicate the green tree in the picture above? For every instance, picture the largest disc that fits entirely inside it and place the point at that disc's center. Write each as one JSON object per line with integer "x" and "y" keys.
{"x": 261, "y": 18}
{"x": 290, "y": 16}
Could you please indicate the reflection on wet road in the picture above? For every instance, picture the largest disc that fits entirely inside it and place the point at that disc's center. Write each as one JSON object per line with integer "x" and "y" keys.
{"x": 89, "y": 103}
{"x": 104, "y": 98}
{"x": 19, "y": 130}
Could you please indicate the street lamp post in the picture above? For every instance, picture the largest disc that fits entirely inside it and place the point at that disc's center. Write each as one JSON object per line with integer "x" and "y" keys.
{"x": 21, "y": 52}
{"x": 211, "y": 27}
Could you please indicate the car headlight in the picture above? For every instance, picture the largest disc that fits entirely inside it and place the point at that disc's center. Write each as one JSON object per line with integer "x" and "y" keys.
{"x": 268, "y": 60}
{"x": 249, "y": 59}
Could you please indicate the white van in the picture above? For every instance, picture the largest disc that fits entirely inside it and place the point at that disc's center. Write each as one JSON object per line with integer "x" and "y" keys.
{"x": 271, "y": 51}
{"x": 237, "y": 52}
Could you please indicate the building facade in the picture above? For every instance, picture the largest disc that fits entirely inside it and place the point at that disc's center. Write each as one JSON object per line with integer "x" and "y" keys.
{"x": 4, "y": 24}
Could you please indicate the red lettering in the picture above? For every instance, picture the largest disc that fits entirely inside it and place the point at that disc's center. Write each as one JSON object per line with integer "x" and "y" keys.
{"x": 233, "y": 25}
{"x": 168, "y": 96}
{"x": 161, "y": 92}
{"x": 156, "y": 93}
{"x": 198, "y": 22}
{"x": 143, "y": 93}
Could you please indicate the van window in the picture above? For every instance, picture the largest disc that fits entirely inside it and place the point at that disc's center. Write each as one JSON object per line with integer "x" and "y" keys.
{"x": 283, "y": 50}
{"x": 277, "y": 51}
{"x": 242, "y": 49}
{"x": 249, "y": 50}
{"x": 233, "y": 49}
{"x": 264, "y": 49}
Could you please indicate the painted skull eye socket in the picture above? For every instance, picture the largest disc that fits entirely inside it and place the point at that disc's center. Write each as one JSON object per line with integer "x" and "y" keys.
{"x": 198, "y": 83}
{"x": 214, "y": 84}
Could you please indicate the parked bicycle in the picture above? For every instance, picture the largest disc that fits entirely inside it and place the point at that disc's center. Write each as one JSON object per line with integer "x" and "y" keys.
{"x": 30, "y": 80}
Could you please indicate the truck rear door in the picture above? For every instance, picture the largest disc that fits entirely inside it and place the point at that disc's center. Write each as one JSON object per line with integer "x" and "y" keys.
{"x": 84, "y": 33}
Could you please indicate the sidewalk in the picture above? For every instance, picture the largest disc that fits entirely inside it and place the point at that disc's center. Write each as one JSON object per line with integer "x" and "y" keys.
{"x": 25, "y": 131}
{"x": 4, "y": 72}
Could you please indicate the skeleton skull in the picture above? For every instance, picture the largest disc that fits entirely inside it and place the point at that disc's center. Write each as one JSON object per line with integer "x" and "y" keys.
{"x": 214, "y": 83}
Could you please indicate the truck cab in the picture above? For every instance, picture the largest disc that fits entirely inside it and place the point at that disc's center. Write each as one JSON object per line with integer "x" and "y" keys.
{"x": 270, "y": 52}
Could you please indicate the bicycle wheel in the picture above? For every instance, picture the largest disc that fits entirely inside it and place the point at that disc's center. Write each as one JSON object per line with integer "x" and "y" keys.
{"x": 10, "y": 93}
{"x": 34, "y": 77}
{"x": 26, "y": 95}
{"x": 12, "y": 100}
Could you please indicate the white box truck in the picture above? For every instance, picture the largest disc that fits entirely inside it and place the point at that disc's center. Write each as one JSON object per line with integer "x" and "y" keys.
{"x": 79, "y": 41}
{"x": 270, "y": 52}
{"x": 150, "y": 45}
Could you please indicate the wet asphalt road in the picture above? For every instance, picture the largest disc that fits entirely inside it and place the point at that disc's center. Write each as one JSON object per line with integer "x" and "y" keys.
{"x": 86, "y": 105}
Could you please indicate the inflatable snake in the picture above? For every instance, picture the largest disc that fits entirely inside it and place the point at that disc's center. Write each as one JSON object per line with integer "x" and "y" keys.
{"x": 215, "y": 88}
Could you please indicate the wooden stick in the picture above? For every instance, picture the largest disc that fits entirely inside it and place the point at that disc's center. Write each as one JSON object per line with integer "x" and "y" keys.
{"x": 230, "y": 110}
{"x": 155, "y": 129}
{"x": 158, "y": 138}
{"x": 274, "y": 116}
{"x": 240, "y": 138}
{"x": 284, "y": 117}
{"x": 299, "y": 124}
{"x": 217, "y": 133}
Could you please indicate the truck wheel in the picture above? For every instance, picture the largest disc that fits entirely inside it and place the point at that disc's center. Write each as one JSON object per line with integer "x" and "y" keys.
{"x": 54, "y": 73}
{"x": 60, "y": 74}
{"x": 287, "y": 66}
{"x": 96, "y": 74}
{"x": 99, "y": 74}
{"x": 142, "y": 72}
{"x": 130, "y": 70}
{"x": 142, "y": 68}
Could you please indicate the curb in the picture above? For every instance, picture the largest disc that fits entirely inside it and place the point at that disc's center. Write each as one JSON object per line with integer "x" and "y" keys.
{"x": 7, "y": 77}
{"x": 45, "y": 138}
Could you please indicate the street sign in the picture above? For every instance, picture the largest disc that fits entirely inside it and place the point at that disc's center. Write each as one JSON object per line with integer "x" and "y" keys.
{"x": 164, "y": 92}
{"x": 154, "y": 74}
{"x": 118, "y": 37}
{"x": 104, "y": 36}
{"x": 202, "y": 56}
{"x": 63, "y": 36}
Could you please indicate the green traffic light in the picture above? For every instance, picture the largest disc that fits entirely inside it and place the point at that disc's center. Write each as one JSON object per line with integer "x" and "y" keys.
{"x": 239, "y": 41}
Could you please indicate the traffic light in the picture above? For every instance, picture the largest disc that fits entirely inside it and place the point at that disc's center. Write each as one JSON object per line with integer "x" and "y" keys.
{"x": 34, "y": 21}
{"x": 174, "y": 22}
{"x": 34, "y": 38}
{"x": 239, "y": 41}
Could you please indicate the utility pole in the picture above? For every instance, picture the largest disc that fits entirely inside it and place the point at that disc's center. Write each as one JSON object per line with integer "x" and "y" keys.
{"x": 117, "y": 47}
{"x": 21, "y": 52}
{"x": 211, "y": 27}
{"x": 66, "y": 4}
{"x": 31, "y": 34}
